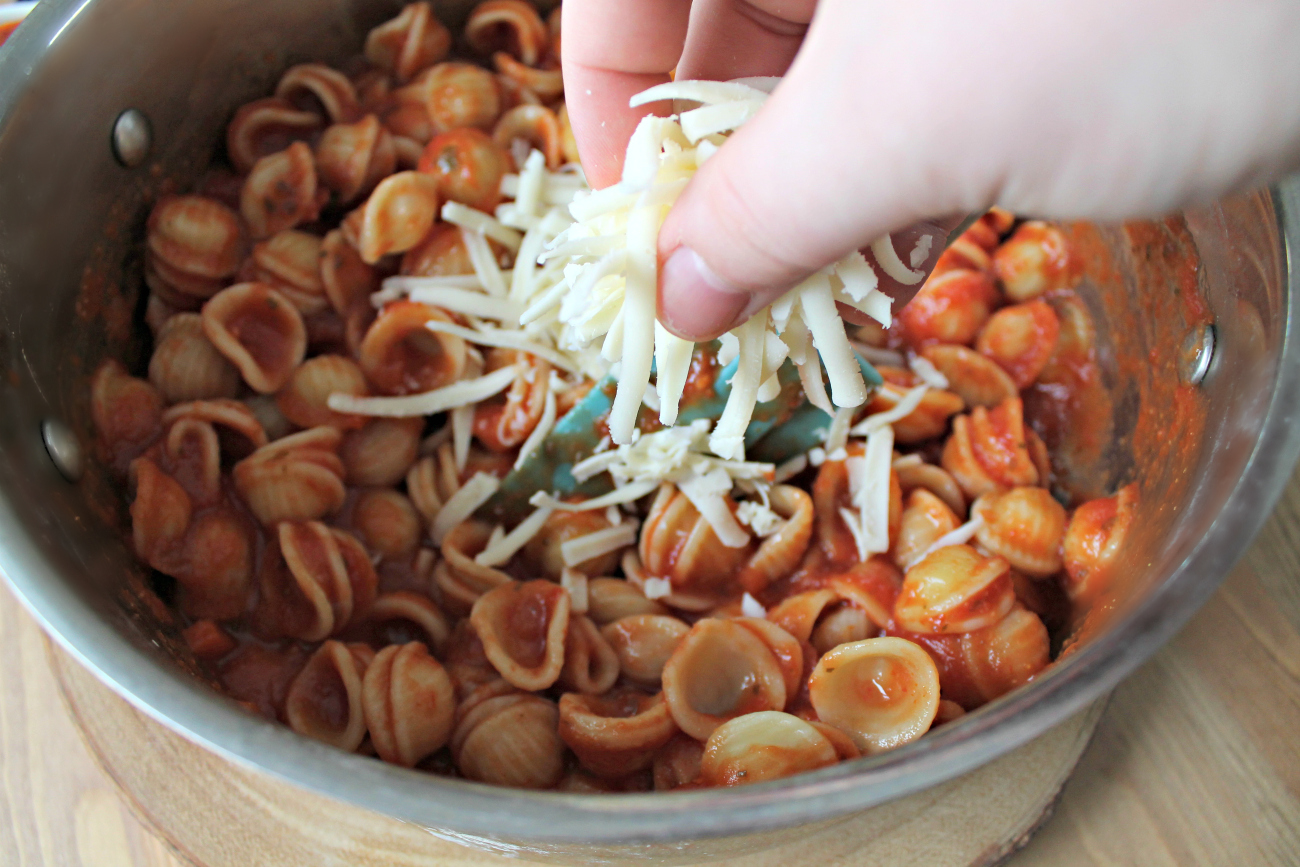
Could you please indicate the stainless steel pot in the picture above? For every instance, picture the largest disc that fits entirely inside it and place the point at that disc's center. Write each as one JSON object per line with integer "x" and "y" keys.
{"x": 1202, "y": 417}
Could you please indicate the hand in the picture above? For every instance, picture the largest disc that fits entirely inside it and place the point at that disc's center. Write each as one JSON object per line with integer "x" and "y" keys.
{"x": 893, "y": 113}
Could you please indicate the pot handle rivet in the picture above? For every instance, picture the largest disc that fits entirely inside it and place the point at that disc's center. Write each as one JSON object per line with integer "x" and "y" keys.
{"x": 64, "y": 449}
{"x": 1196, "y": 354}
{"x": 132, "y": 137}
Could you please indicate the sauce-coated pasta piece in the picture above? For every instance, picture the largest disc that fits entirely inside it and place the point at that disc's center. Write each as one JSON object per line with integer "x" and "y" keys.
{"x": 1024, "y": 526}
{"x": 762, "y": 746}
{"x": 324, "y": 701}
{"x": 881, "y": 692}
{"x": 954, "y": 589}
{"x": 1093, "y": 542}
{"x": 299, "y": 477}
{"x": 510, "y": 740}
{"x": 408, "y": 703}
{"x": 523, "y": 628}
{"x": 617, "y": 733}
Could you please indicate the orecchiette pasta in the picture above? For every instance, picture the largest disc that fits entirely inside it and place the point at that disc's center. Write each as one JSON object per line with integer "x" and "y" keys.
{"x": 374, "y": 462}
{"x": 408, "y": 703}
{"x": 325, "y": 700}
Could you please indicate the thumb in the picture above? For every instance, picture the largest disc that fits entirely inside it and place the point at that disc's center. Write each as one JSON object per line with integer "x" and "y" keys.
{"x": 809, "y": 179}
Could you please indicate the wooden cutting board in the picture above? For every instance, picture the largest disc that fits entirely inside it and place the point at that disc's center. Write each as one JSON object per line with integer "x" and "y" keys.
{"x": 1196, "y": 760}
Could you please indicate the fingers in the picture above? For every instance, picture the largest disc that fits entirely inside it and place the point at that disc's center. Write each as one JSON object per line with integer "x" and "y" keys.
{"x": 820, "y": 171}
{"x": 614, "y": 49}
{"x": 741, "y": 38}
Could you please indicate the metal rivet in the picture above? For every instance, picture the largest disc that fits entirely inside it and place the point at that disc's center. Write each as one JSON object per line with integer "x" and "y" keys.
{"x": 132, "y": 137}
{"x": 64, "y": 449}
{"x": 1197, "y": 354}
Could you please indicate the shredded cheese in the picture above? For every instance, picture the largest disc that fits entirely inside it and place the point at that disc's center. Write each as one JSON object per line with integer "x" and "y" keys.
{"x": 626, "y": 494}
{"x": 458, "y": 394}
{"x": 887, "y": 259}
{"x": 657, "y": 588}
{"x": 544, "y": 425}
{"x": 751, "y": 607}
{"x": 477, "y": 222}
{"x": 759, "y": 518}
{"x": 576, "y": 584}
{"x": 789, "y": 469}
{"x": 465, "y": 502}
{"x": 592, "y": 545}
{"x": 499, "y": 551}
{"x": 959, "y": 536}
{"x": 906, "y": 405}
{"x": 928, "y": 373}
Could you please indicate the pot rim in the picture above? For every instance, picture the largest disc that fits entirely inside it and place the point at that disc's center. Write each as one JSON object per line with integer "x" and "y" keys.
{"x": 483, "y": 814}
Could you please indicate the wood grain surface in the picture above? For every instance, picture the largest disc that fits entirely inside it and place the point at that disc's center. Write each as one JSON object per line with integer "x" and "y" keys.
{"x": 1196, "y": 761}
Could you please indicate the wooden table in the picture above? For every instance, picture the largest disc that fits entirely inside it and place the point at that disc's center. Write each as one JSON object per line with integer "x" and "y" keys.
{"x": 1197, "y": 760}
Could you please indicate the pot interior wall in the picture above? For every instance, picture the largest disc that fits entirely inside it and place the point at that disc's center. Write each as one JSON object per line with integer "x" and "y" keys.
{"x": 71, "y": 220}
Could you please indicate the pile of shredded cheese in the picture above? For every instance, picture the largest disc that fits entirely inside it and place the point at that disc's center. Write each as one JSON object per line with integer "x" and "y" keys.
{"x": 576, "y": 286}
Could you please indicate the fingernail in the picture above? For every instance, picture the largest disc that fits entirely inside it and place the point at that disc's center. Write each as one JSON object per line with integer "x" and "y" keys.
{"x": 694, "y": 302}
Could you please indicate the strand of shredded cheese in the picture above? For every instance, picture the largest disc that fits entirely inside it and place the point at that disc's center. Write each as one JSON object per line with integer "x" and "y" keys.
{"x": 458, "y": 394}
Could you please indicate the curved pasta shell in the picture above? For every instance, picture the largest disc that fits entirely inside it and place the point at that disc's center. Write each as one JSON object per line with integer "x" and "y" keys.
{"x": 195, "y": 235}
{"x": 280, "y": 192}
{"x": 412, "y": 41}
{"x": 842, "y": 624}
{"x": 442, "y": 253}
{"x": 289, "y": 261}
{"x": 504, "y": 421}
{"x": 1093, "y": 542}
{"x": 881, "y": 692}
{"x": 324, "y": 701}
{"x": 512, "y": 26}
{"x": 926, "y": 519}
{"x": 763, "y": 746}
{"x": 1020, "y": 339}
{"x": 455, "y": 95}
{"x": 928, "y": 420}
{"x": 238, "y": 429}
{"x": 950, "y": 308}
{"x": 677, "y": 763}
{"x": 785, "y": 649}
{"x": 348, "y": 281}
{"x": 781, "y": 553}
{"x": 719, "y": 671}
{"x": 798, "y": 614}
{"x": 1034, "y": 260}
{"x": 303, "y": 399}
{"x": 403, "y": 616}
{"x": 379, "y": 454}
{"x": 465, "y": 661}
{"x": 1006, "y": 655}
{"x": 936, "y": 480}
{"x": 989, "y": 450}
{"x": 386, "y": 522}
{"x": 511, "y": 740}
{"x": 547, "y": 84}
{"x": 610, "y": 599}
{"x": 458, "y": 577}
{"x": 432, "y": 480}
{"x": 160, "y": 515}
{"x": 974, "y": 248}
{"x": 954, "y": 589}
{"x": 468, "y": 166}
{"x": 872, "y": 587}
{"x": 127, "y": 412}
{"x": 523, "y": 629}
{"x": 400, "y": 356}
{"x": 396, "y": 216}
{"x": 259, "y": 331}
{"x": 311, "y": 597}
{"x": 679, "y": 545}
{"x": 193, "y": 457}
{"x": 643, "y": 643}
{"x": 616, "y": 734}
{"x": 408, "y": 703}
{"x": 218, "y": 571}
{"x": 186, "y": 366}
{"x": 975, "y": 378}
{"x": 352, "y": 158}
{"x": 535, "y": 124}
{"x": 298, "y": 477}
{"x": 317, "y": 83}
{"x": 590, "y": 665}
{"x": 264, "y": 127}
{"x": 544, "y": 552}
{"x": 1024, "y": 526}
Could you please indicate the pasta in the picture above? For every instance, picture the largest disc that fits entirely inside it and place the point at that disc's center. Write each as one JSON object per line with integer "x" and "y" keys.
{"x": 424, "y": 479}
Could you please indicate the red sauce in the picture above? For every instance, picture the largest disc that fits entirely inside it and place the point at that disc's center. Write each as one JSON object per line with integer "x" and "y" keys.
{"x": 529, "y": 621}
